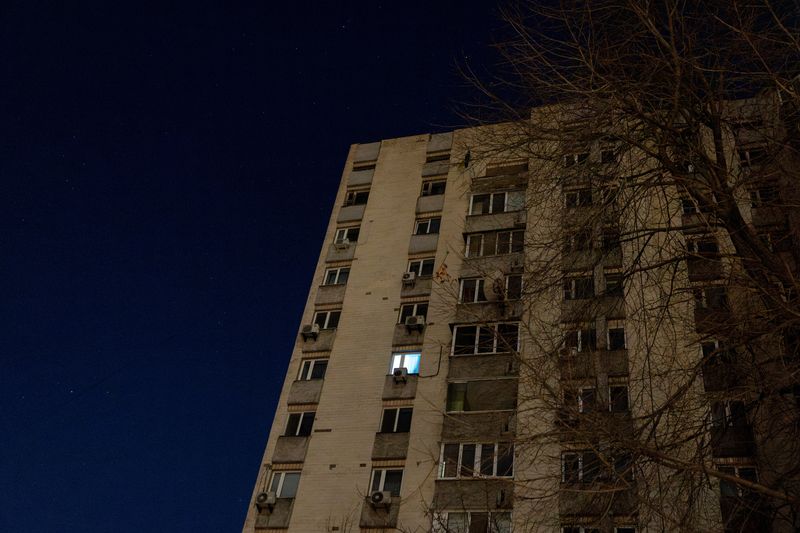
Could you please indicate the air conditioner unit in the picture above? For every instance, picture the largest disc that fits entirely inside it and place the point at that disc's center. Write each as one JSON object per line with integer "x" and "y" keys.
{"x": 380, "y": 498}
{"x": 415, "y": 322}
{"x": 310, "y": 331}
{"x": 266, "y": 501}
{"x": 409, "y": 278}
{"x": 342, "y": 245}
{"x": 400, "y": 375}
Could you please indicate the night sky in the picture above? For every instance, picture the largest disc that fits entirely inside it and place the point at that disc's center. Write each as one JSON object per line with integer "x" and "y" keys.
{"x": 167, "y": 172}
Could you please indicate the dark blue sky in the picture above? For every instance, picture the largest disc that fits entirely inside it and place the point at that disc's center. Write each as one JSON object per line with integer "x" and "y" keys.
{"x": 166, "y": 175}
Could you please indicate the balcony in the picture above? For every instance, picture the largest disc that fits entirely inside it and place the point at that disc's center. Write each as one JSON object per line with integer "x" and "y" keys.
{"x": 290, "y": 449}
{"x": 485, "y": 427}
{"x": 398, "y": 390}
{"x": 323, "y": 342}
{"x": 278, "y": 517}
{"x": 435, "y": 168}
{"x": 421, "y": 287}
{"x": 330, "y": 294}
{"x": 404, "y": 335}
{"x": 713, "y": 320}
{"x": 489, "y": 311}
{"x": 360, "y": 177}
{"x": 379, "y": 517}
{"x": 769, "y": 216}
{"x": 581, "y": 499}
{"x": 481, "y": 266}
{"x": 341, "y": 252}
{"x": 483, "y": 366}
{"x": 703, "y": 268}
{"x": 496, "y": 221}
{"x": 390, "y": 446}
{"x": 430, "y": 204}
{"x": 423, "y": 243}
{"x": 305, "y": 392}
{"x": 476, "y": 493}
{"x": 351, "y": 213}
{"x": 611, "y": 307}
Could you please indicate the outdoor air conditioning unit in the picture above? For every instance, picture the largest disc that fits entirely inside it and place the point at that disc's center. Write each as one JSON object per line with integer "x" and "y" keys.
{"x": 400, "y": 375}
{"x": 265, "y": 501}
{"x": 415, "y": 323}
{"x": 380, "y": 498}
{"x": 342, "y": 245}
{"x": 409, "y": 278}
{"x": 310, "y": 331}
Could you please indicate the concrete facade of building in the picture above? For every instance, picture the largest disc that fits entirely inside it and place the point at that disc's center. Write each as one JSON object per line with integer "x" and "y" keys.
{"x": 409, "y": 402}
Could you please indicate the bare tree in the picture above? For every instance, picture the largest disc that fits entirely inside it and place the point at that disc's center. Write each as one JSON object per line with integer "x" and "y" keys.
{"x": 659, "y": 297}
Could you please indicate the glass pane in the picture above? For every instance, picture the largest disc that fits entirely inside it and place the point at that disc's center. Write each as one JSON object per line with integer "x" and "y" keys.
{"x": 405, "y": 312}
{"x": 457, "y": 523}
{"x": 571, "y": 466}
{"x": 467, "y": 460}
{"x": 290, "y": 482}
{"x": 517, "y": 241}
{"x": 422, "y": 310}
{"x": 276, "y": 480}
{"x": 304, "y": 370}
{"x": 468, "y": 290}
{"x": 515, "y": 201}
{"x": 503, "y": 242}
{"x": 352, "y": 234}
{"x": 616, "y": 339}
{"x": 450, "y": 458}
{"x": 330, "y": 279}
{"x": 478, "y": 522}
{"x": 434, "y": 225}
{"x": 397, "y": 362}
{"x": 318, "y": 370}
{"x": 427, "y": 268}
{"x": 344, "y": 273}
{"x": 507, "y": 337}
{"x": 404, "y": 420}
{"x": 456, "y": 394}
{"x": 412, "y": 363}
{"x": 437, "y": 187}
{"x": 392, "y": 481}
{"x": 480, "y": 204}
{"x": 487, "y": 459}
{"x": 498, "y": 202}
{"x": 500, "y": 523}
{"x": 485, "y": 339}
{"x": 333, "y": 321}
{"x": 514, "y": 287}
{"x": 294, "y": 422}
{"x": 414, "y": 266}
{"x": 306, "y": 423}
{"x": 489, "y": 240}
{"x": 619, "y": 399}
{"x": 474, "y": 245}
{"x": 505, "y": 459}
{"x": 389, "y": 416}
{"x": 587, "y": 400}
{"x": 591, "y": 467}
{"x": 464, "y": 342}
{"x": 319, "y": 319}
{"x": 376, "y": 480}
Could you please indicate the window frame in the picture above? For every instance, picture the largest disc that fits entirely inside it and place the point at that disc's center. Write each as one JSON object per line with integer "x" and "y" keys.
{"x": 585, "y": 333}
{"x": 422, "y": 263}
{"x": 702, "y": 300}
{"x": 354, "y": 197}
{"x": 342, "y": 235}
{"x": 581, "y": 473}
{"x": 441, "y": 521}
{"x": 414, "y": 311}
{"x": 578, "y": 198}
{"x": 573, "y": 287}
{"x": 281, "y": 475}
{"x": 480, "y": 286}
{"x": 611, "y": 406}
{"x": 307, "y": 367}
{"x": 505, "y": 204}
{"x": 515, "y": 242}
{"x": 326, "y": 323}
{"x": 381, "y": 485}
{"x": 427, "y": 224}
{"x": 477, "y": 468}
{"x": 616, "y": 325}
{"x": 338, "y": 272}
{"x": 521, "y": 286}
{"x": 396, "y": 419}
{"x": 477, "y": 343}
{"x": 299, "y": 428}
{"x": 428, "y": 187}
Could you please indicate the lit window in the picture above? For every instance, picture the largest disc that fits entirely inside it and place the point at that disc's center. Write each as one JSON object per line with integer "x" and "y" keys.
{"x": 409, "y": 361}
{"x": 427, "y": 226}
{"x": 313, "y": 369}
{"x": 336, "y": 276}
{"x": 327, "y": 319}
{"x": 421, "y": 267}
{"x": 284, "y": 484}
{"x": 387, "y": 480}
{"x": 300, "y": 424}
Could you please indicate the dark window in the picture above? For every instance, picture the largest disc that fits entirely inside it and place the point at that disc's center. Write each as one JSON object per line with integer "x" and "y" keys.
{"x": 457, "y": 397}
{"x": 337, "y": 276}
{"x": 510, "y": 242}
{"x": 356, "y": 198}
{"x": 487, "y": 459}
{"x": 313, "y": 369}
{"x": 570, "y": 467}
{"x": 396, "y": 420}
{"x": 421, "y": 267}
{"x": 578, "y": 198}
{"x": 587, "y": 398}
{"x": 464, "y": 340}
{"x": 616, "y": 338}
{"x": 614, "y": 285}
{"x": 327, "y": 319}
{"x": 433, "y": 188}
{"x": 346, "y": 235}
{"x": 496, "y": 338}
{"x": 450, "y": 460}
{"x": 610, "y": 239}
{"x": 467, "y": 460}
{"x": 300, "y": 424}
{"x": 507, "y": 337}
{"x": 388, "y": 480}
{"x": 427, "y": 226}
{"x": 578, "y": 288}
{"x": 578, "y": 242}
{"x": 472, "y": 290}
{"x": 407, "y": 310}
{"x": 715, "y": 297}
{"x": 513, "y": 287}
{"x": 618, "y": 397}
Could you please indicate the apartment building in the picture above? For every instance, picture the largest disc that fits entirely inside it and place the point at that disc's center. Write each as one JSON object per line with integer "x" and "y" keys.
{"x": 477, "y": 355}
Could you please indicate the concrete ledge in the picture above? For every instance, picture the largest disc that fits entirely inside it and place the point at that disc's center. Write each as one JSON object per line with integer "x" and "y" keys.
{"x": 305, "y": 392}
